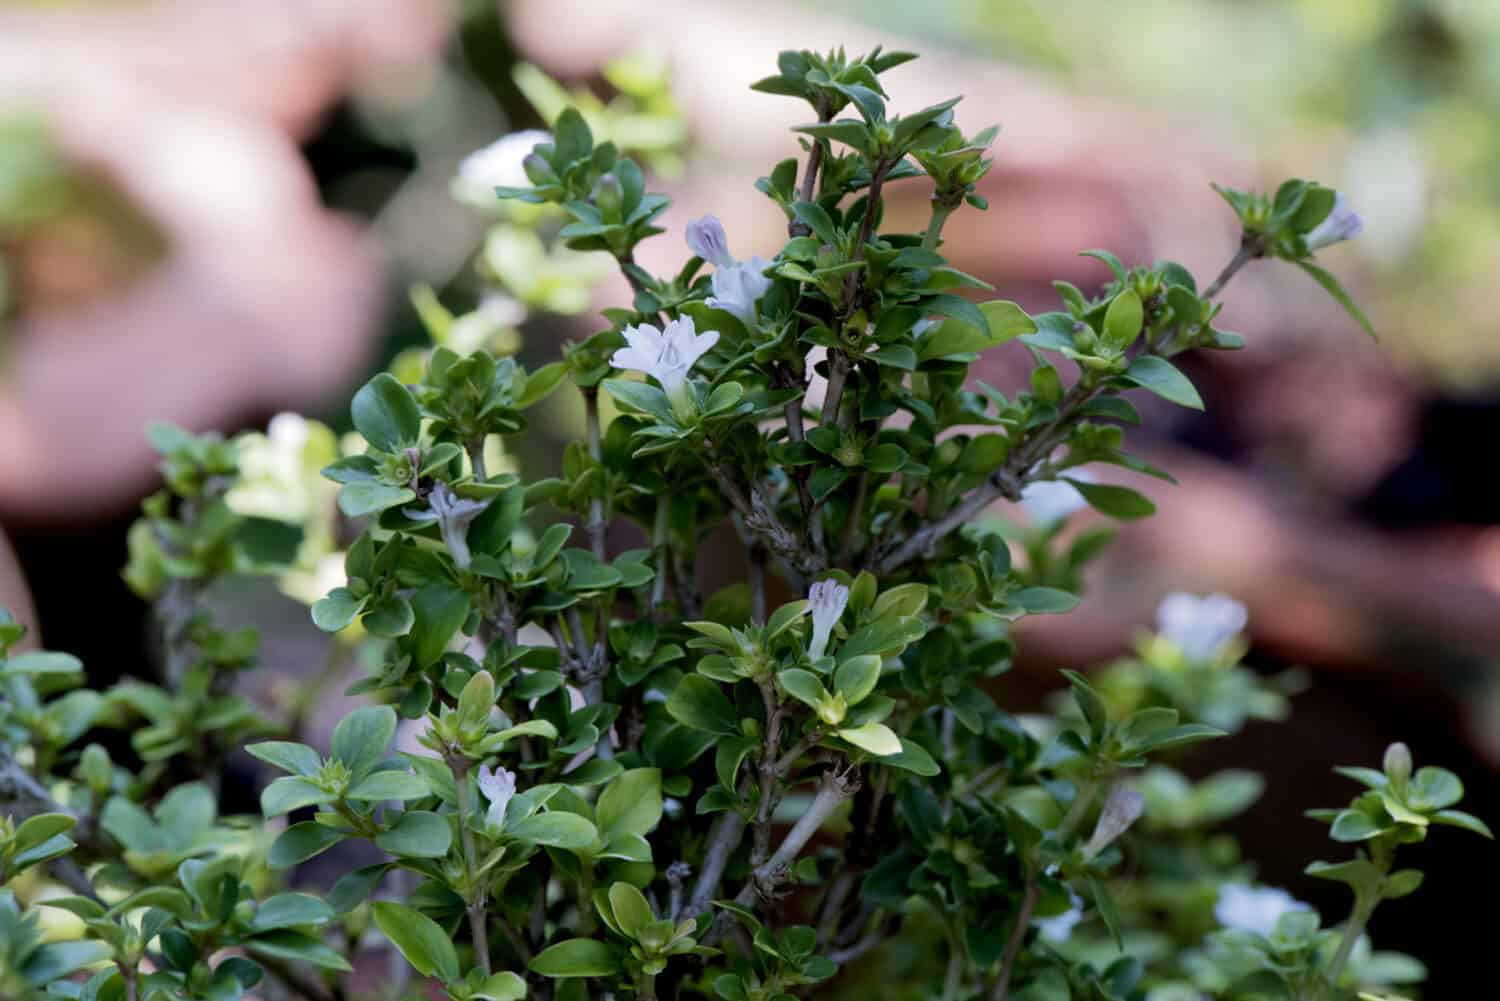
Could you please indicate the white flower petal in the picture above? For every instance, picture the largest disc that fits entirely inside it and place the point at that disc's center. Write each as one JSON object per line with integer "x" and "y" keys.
{"x": 1254, "y": 909}
{"x": 1200, "y": 626}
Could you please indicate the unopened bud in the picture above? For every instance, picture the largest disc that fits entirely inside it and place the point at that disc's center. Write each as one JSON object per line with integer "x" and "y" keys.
{"x": 1397, "y": 763}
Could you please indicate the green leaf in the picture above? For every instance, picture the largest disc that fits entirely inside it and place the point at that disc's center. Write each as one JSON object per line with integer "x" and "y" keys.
{"x": 857, "y": 677}
{"x": 631, "y": 804}
{"x": 1433, "y": 789}
{"x": 440, "y": 610}
{"x": 1458, "y": 818}
{"x": 1401, "y": 883}
{"x": 577, "y": 957}
{"x": 1332, "y": 287}
{"x": 701, "y": 704}
{"x": 299, "y": 759}
{"x": 555, "y": 828}
{"x": 291, "y": 792}
{"x": 336, "y": 609}
{"x": 502, "y": 986}
{"x": 1115, "y": 501}
{"x": 421, "y": 940}
{"x": 301, "y": 842}
{"x": 41, "y": 662}
{"x": 40, "y": 828}
{"x": 417, "y": 834}
{"x": 360, "y": 739}
{"x": 629, "y": 908}
{"x": 639, "y": 397}
{"x": 803, "y": 686}
{"x": 1045, "y": 600}
{"x": 389, "y": 618}
{"x": 1123, "y": 319}
{"x": 962, "y": 336}
{"x": 913, "y": 758}
{"x": 386, "y": 414}
{"x": 1179, "y": 736}
{"x": 877, "y": 738}
{"x": 359, "y": 499}
{"x": 55, "y": 960}
{"x": 283, "y": 943}
{"x": 1165, "y": 380}
{"x": 389, "y": 785}
{"x": 541, "y": 383}
{"x": 1109, "y": 259}
{"x": 1352, "y": 825}
{"x": 1095, "y": 714}
{"x": 288, "y": 910}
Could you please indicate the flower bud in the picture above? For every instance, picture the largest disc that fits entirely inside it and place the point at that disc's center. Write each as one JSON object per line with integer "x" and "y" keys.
{"x": 1342, "y": 223}
{"x": 1397, "y": 763}
{"x": 610, "y": 198}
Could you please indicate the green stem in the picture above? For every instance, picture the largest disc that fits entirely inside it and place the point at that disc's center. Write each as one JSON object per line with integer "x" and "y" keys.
{"x": 954, "y": 979}
{"x": 1364, "y": 906}
{"x": 646, "y": 988}
{"x": 476, "y": 458}
{"x": 659, "y": 528}
{"x": 940, "y": 214}
{"x": 476, "y": 902}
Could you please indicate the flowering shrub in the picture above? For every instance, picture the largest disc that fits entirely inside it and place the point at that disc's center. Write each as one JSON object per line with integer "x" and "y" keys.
{"x": 622, "y": 787}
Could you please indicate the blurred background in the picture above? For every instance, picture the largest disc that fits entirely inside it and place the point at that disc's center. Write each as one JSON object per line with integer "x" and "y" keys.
{"x": 212, "y": 211}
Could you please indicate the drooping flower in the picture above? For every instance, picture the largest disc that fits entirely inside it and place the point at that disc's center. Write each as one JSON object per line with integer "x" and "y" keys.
{"x": 1342, "y": 223}
{"x": 667, "y": 355}
{"x": 1200, "y": 626}
{"x": 738, "y": 288}
{"x": 707, "y": 239}
{"x": 1048, "y": 502}
{"x": 453, "y": 515}
{"x": 498, "y": 786}
{"x": 1122, "y": 809}
{"x": 500, "y": 164}
{"x": 1254, "y": 908}
{"x": 828, "y": 599}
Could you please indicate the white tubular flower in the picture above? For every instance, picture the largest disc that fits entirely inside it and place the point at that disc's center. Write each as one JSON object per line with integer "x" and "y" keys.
{"x": 1122, "y": 809}
{"x": 453, "y": 515}
{"x": 1058, "y": 927}
{"x": 828, "y": 600}
{"x": 706, "y": 238}
{"x": 1342, "y": 223}
{"x": 498, "y": 786}
{"x": 1047, "y": 502}
{"x": 1200, "y": 626}
{"x": 499, "y": 165}
{"x": 738, "y": 288}
{"x": 1254, "y": 909}
{"x": 666, "y": 355}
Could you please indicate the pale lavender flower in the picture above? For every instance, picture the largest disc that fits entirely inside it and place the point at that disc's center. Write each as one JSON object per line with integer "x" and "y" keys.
{"x": 1047, "y": 502}
{"x": 1342, "y": 223}
{"x": 1200, "y": 626}
{"x": 1254, "y": 908}
{"x": 498, "y": 786}
{"x": 828, "y": 599}
{"x": 739, "y": 287}
{"x": 706, "y": 238}
{"x": 1122, "y": 809}
{"x": 453, "y": 515}
{"x": 667, "y": 355}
